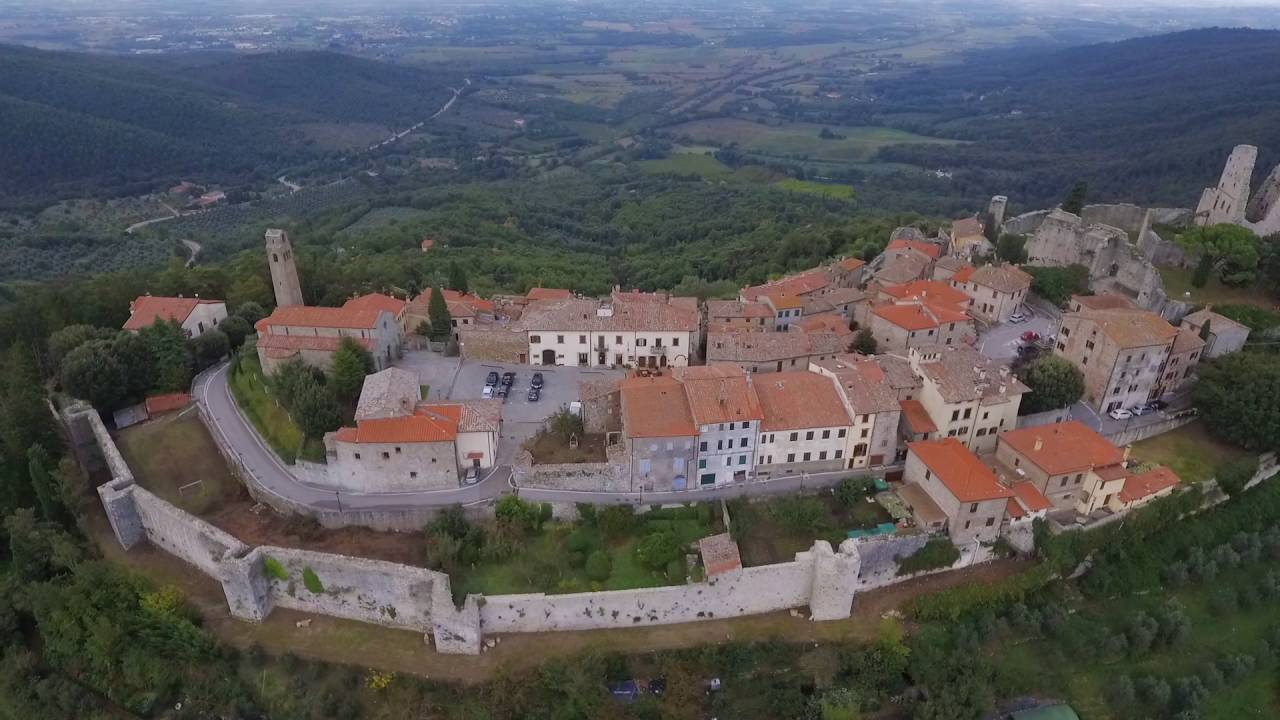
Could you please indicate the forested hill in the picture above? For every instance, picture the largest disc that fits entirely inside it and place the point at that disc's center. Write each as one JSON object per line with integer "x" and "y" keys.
{"x": 72, "y": 121}
{"x": 1149, "y": 120}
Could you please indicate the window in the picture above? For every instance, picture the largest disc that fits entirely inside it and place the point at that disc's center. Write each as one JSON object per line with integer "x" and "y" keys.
{"x": 973, "y": 508}
{"x": 742, "y": 459}
{"x": 928, "y": 475}
{"x": 968, "y": 412}
{"x": 720, "y": 444}
{"x": 865, "y": 432}
{"x": 1079, "y": 477}
{"x": 955, "y": 415}
{"x": 728, "y": 460}
{"x": 826, "y": 434}
{"x": 582, "y": 339}
{"x": 795, "y": 437}
{"x": 560, "y": 339}
{"x": 808, "y": 435}
{"x": 967, "y": 524}
{"x": 386, "y": 456}
{"x": 742, "y": 442}
{"x": 1063, "y": 483}
{"x": 413, "y": 474}
{"x": 839, "y": 454}
{"x": 746, "y": 424}
{"x": 841, "y": 433}
{"x": 702, "y": 446}
{"x": 991, "y": 521}
{"x": 986, "y": 415}
{"x": 397, "y": 451}
{"x": 702, "y": 464}
{"x": 982, "y": 431}
{"x": 675, "y": 342}
{"x": 1066, "y": 331}
{"x": 791, "y": 457}
{"x": 641, "y": 342}
{"x": 822, "y": 455}
{"x": 617, "y": 339}
{"x": 1088, "y": 344}
{"x": 807, "y": 456}
{"x": 535, "y": 338}
{"x": 357, "y": 455}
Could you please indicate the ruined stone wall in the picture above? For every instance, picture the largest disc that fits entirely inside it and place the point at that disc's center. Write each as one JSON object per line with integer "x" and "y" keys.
{"x": 611, "y": 476}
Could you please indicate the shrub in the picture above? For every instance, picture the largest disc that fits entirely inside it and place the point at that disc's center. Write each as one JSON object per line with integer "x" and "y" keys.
{"x": 799, "y": 514}
{"x": 851, "y": 491}
{"x": 937, "y": 553}
{"x": 599, "y": 566}
{"x": 677, "y": 570}
{"x": 657, "y": 549}
{"x": 617, "y": 520}
{"x": 586, "y": 514}
{"x": 580, "y": 541}
{"x": 272, "y": 568}
{"x": 312, "y": 581}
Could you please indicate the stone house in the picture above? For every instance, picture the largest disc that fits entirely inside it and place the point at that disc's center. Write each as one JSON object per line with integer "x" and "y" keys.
{"x": 948, "y": 488}
{"x": 1121, "y": 352}
{"x": 806, "y": 427}
{"x": 313, "y": 334}
{"x": 775, "y": 351}
{"x": 726, "y": 412}
{"x": 811, "y": 282}
{"x": 194, "y": 314}
{"x": 1145, "y": 487}
{"x": 466, "y": 311}
{"x": 601, "y": 405}
{"x": 786, "y": 309}
{"x": 1224, "y": 336}
{"x": 997, "y": 291}
{"x": 1070, "y": 464}
{"x": 658, "y": 431}
{"x": 379, "y": 301}
{"x": 737, "y": 316}
{"x": 964, "y": 395}
{"x": 968, "y": 238}
{"x": 629, "y": 330}
{"x": 389, "y": 393}
{"x": 1184, "y": 357}
{"x": 902, "y": 325}
{"x": 870, "y": 396}
{"x": 426, "y": 450}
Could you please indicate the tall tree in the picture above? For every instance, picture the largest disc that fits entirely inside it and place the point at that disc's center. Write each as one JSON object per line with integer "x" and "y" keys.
{"x": 1012, "y": 248}
{"x": 93, "y": 373}
{"x": 316, "y": 411}
{"x": 351, "y": 363}
{"x": 69, "y": 338}
{"x": 42, "y": 483}
{"x": 134, "y": 357}
{"x": 171, "y": 355}
{"x": 1054, "y": 382}
{"x": 438, "y": 314}
{"x": 1074, "y": 202}
{"x": 236, "y": 329}
{"x": 1230, "y": 250}
{"x": 1239, "y": 397}
{"x": 458, "y": 277}
{"x": 864, "y": 342}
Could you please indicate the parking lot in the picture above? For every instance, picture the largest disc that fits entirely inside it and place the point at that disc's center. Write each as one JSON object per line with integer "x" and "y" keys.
{"x": 1000, "y": 342}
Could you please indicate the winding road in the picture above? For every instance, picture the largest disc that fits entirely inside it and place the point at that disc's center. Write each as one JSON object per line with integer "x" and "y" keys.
{"x": 213, "y": 392}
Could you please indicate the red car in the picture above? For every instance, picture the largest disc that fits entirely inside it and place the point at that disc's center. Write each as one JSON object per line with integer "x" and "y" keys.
{"x": 1030, "y": 336}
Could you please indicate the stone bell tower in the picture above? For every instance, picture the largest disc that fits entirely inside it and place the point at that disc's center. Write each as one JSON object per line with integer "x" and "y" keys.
{"x": 284, "y": 269}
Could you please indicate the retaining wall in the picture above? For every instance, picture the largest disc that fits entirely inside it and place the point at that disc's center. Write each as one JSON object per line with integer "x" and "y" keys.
{"x": 1133, "y": 435}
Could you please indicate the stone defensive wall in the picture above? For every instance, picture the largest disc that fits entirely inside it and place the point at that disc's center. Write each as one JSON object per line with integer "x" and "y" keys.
{"x": 256, "y": 580}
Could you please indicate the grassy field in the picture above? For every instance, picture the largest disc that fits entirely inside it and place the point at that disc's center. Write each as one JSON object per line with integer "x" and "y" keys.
{"x": 687, "y": 164}
{"x": 378, "y": 218}
{"x": 775, "y": 530}
{"x": 1177, "y": 282}
{"x": 857, "y": 144}
{"x": 175, "y": 458}
{"x": 1189, "y": 451}
{"x": 270, "y": 420}
{"x": 842, "y": 192}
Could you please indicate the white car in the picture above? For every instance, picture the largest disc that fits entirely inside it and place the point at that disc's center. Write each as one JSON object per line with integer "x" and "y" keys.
{"x": 488, "y": 392}
{"x": 1017, "y": 318}
{"x": 1120, "y": 414}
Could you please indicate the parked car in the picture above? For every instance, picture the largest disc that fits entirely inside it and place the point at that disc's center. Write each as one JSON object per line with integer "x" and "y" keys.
{"x": 503, "y": 390}
{"x": 1027, "y": 350}
{"x": 471, "y": 477}
{"x": 536, "y": 382}
{"x": 488, "y": 392}
{"x": 1120, "y": 414}
{"x": 1017, "y": 318}
{"x": 491, "y": 379}
{"x": 1030, "y": 336}
{"x": 508, "y": 378}
{"x": 534, "y": 394}
{"x": 1140, "y": 410}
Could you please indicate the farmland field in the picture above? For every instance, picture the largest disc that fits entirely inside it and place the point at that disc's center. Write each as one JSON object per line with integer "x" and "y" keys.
{"x": 687, "y": 164}
{"x": 843, "y": 192}
{"x": 799, "y": 139}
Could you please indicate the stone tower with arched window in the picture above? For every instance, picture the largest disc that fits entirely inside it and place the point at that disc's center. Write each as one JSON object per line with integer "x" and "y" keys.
{"x": 284, "y": 269}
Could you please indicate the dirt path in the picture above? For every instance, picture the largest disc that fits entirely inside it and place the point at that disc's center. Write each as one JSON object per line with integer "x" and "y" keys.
{"x": 363, "y": 645}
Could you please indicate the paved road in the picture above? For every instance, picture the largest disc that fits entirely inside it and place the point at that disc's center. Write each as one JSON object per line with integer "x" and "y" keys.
{"x": 1001, "y": 342}
{"x": 212, "y": 391}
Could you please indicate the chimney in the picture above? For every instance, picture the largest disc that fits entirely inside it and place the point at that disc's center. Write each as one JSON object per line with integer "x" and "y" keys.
{"x": 1127, "y": 450}
{"x": 1039, "y": 443}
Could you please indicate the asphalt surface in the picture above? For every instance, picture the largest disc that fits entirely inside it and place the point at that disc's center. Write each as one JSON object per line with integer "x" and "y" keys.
{"x": 1001, "y": 342}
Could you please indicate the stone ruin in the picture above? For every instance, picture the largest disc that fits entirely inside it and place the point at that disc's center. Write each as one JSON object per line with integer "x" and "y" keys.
{"x": 1230, "y": 201}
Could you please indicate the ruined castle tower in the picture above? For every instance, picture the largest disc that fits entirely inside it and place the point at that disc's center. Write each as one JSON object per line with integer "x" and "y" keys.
{"x": 1226, "y": 202}
{"x": 995, "y": 213}
{"x": 284, "y": 269}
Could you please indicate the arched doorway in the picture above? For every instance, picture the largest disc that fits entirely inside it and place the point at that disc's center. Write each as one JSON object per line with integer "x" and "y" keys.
{"x": 548, "y": 357}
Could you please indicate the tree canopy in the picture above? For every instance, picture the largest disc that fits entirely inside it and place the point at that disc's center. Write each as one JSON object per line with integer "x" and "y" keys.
{"x": 1239, "y": 397}
{"x": 1230, "y": 250}
{"x": 1054, "y": 382}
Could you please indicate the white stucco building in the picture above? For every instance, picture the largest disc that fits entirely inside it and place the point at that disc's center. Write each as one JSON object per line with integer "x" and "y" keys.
{"x": 195, "y": 315}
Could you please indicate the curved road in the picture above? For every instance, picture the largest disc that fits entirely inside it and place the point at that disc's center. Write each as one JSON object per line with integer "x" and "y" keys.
{"x": 212, "y": 390}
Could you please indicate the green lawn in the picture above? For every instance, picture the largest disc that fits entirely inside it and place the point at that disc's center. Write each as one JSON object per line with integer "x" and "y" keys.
{"x": 1189, "y": 451}
{"x": 687, "y": 164}
{"x": 801, "y": 140}
{"x": 175, "y": 458}
{"x": 1177, "y": 282}
{"x": 842, "y": 192}
{"x": 543, "y": 562}
{"x": 270, "y": 419}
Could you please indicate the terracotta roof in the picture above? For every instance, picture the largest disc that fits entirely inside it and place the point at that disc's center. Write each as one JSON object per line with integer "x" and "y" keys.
{"x": 430, "y": 427}
{"x": 719, "y": 554}
{"x": 1216, "y": 321}
{"x": 903, "y": 268}
{"x": 931, "y": 290}
{"x": 585, "y": 315}
{"x": 864, "y": 382}
{"x": 850, "y": 263}
{"x": 1188, "y": 340}
{"x": 1064, "y": 447}
{"x": 1004, "y": 278}
{"x": 963, "y": 275}
{"x": 823, "y": 324}
{"x": 959, "y": 470}
{"x": 480, "y": 415}
{"x": 376, "y": 301}
{"x": 454, "y": 300}
{"x": 784, "y": 302}
{"x": 841, "y": 296}
{"x": 719, "y": 393}
{"x": 147, "y": 309}
{"x": 799, "y": 399}
{"x": 918, "y": 420}
{"x": 323, "y": 317}
{"x": 966, "y": 227}
{"x": 756, "y": 347}
{"x": 1147, "y": 484}
{"x": 919, "y": 315}
{"x": 1105, "y": 301}
{"x": 390, "y": 392}
{"x": 539, "y": 293}
{"x": 963, "y": 374}
{"x": 725, "y": 309}
{"x": 1030, "y": 497}
{"x": 1130, "y": 328}
{"x": 801, "y": 283}
{"x": 933, "y": 250}
{"x": 160, "y": 404}
{"x": 655, "y": 407}
{"x": 952, "y": 263}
